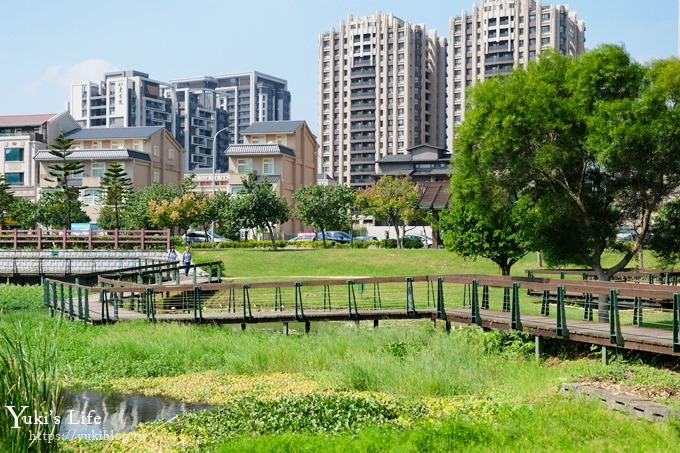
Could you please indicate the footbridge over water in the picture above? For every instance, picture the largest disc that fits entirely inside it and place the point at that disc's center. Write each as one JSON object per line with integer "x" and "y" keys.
{"x": 545, "y": 308}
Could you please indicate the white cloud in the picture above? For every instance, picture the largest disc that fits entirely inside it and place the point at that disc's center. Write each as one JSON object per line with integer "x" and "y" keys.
{"x": 49, "y": 91}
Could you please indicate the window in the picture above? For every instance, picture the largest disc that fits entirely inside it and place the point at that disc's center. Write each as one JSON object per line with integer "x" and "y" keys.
{"x": 268, "y": 166}
{"x": 117, "y": 144}
{"x": 156, "y": 150}
{"x": 98, "y": 169}
{"x": 171, "y": 154}
{"x": 156, "y": 176}
{"x": 244, "y": 165}
{"x": 91, "y": 196}
{"x": 14, "y": 179}
{"x": 14, "y": 154}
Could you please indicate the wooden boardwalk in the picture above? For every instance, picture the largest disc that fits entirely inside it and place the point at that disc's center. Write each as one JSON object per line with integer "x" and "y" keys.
{"x": 195, "y": 299}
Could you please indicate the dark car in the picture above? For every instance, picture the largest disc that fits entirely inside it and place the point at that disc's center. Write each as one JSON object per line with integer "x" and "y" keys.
{"x": 335, "y": 236}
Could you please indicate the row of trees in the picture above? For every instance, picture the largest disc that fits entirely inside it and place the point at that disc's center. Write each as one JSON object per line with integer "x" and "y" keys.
{"x": 256, "y": 206}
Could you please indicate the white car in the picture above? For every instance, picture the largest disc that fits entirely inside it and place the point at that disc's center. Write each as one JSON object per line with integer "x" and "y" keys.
{"x": 201, "y": 236}
{"x": 427, "y": 242}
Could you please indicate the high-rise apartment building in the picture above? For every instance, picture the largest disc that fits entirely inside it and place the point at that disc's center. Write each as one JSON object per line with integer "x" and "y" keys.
{"x": 382, "y": 91}
{"x": 122, "y": 99}
{"x": 192, "y": 109}
{"x": 501, "y": 35}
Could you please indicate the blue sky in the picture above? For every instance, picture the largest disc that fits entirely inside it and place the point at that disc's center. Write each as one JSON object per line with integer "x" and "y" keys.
{"x": 47, "y": 45}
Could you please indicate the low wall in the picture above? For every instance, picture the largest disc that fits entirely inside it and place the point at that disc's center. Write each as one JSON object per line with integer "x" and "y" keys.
{"x": 72, "y": 262}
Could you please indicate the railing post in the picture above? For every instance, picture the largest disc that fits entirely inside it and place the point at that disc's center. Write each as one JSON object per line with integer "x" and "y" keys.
{"x": 562, "y": 330}
{"x": 485, "y": 297}
{"x": 87, "y": 304}
{"x": 246, "y": 304}
{"x": 46, "y": 293}
{"x": 142, "y": 238}
{"x": 298, "y": 301}
{"x": 410, "y": 304}
{"x": 198, "y": 311}
{"x": 516, "y": 322}
{"x": 506, "y": 298}
{"x": 54, "y": 298}
{"x": 377, "y": 300}
{"x": 676, "y": 322}
{"x": 278, "y": 303}
{"x": 351, "y": 298}
{"x": 614, "y": 324}
{"x": 63, "y": 299}
{"x": 70, "y": 302}
{"x": 637, "y": 311}
{"x": 326, "y": 297}
{"x": 588, "y": 308}
{"x": 63, "y": 239}
{"x": 545, "y": 303}
{"x": 476, "y": 318}
{"x": 441, "y": 310}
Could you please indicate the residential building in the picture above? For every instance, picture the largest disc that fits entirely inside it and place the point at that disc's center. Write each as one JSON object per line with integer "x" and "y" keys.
{"x": 251, "y": 97}
{"x": 421, "y": 163}
{"x": 501, "y": 35}
{"x": 382, "y": 91}
{"x": 21, "y": 138}
{"x": 148, "y": 154}
{"x": 122, "y": 99}
{"x": 192, "y": 109}
{"x": 283, "y": 151}
{"x": 208, "y": 104}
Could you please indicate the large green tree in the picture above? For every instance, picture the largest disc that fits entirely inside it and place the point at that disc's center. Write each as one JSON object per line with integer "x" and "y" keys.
{"x": 116, "y": 187}
{"x": 592, "y": 143}
{"x": 394, "y": 200}
{"x": 325, "y": 207}
{"x": 62, "y": 172}
{"x": 258, "y": 206}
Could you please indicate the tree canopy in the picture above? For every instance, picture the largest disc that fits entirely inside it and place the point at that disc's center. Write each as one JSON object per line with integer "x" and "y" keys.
{"x": 325, "y": 207}
{"x": 116, "y": 187}
{"x": 591, "y": 144}
{"x": 392, "y": 199}
{"x": 64, "y": 200}
{"x": 258, "y": 206}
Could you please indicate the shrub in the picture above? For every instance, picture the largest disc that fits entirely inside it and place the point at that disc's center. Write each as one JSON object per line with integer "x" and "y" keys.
{"x": 413, "y": 243}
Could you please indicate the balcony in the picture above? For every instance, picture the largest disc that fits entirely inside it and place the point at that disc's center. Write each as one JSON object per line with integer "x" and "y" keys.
{"x": 363, "y": 72}
{"x": 359, "y": 138}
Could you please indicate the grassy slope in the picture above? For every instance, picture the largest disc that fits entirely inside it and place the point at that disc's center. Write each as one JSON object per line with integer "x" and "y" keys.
{"x": 483, "y": 391}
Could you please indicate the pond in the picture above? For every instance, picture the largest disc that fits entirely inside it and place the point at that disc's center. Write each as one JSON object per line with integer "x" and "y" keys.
{"x": 94, "y": 415}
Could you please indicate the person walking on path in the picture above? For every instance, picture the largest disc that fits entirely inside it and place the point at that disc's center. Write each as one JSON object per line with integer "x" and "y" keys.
{"x": 186, "y": 260}
{"x": 172, "y": 254}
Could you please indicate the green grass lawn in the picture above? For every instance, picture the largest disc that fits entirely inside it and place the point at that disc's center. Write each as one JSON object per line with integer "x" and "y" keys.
{"x": 406, "y": 386}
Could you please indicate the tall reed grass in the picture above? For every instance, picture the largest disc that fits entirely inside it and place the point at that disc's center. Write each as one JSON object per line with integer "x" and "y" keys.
{"x": 31, "y": 393}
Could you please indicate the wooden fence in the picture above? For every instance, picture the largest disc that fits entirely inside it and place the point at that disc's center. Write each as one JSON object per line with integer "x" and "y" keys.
{"x": 43, "y": 239}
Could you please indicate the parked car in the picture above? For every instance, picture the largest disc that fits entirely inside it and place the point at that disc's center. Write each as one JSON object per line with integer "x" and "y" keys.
{"x": 336, "y": 236}
{"x": 427, "y": 242}
{"x": 365, "y": 238}
{"x": 201, "y": 236}
{"x": 304, "y": 237}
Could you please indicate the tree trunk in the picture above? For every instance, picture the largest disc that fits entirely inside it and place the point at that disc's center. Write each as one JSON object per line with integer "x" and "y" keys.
{"x": 271, "y": 235}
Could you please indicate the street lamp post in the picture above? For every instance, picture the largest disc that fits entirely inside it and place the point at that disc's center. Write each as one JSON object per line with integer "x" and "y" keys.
{"x": 214, "y": 164}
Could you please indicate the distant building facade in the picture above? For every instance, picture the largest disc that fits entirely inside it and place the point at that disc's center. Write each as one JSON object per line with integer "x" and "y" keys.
{"x": 501, "y": 35}
{"x": 420, "y": 163}
{"x": 283, "y": 151}
{"x": 148, "y": 155}
{"x": 192, "y": 109}
{"x": 21, "y": 138}
{"x": 382, "y": 91}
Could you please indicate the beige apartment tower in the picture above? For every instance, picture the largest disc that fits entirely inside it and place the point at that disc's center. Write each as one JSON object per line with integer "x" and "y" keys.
{"x": 501, "y": 35}
{"x": 382, "y": 91}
